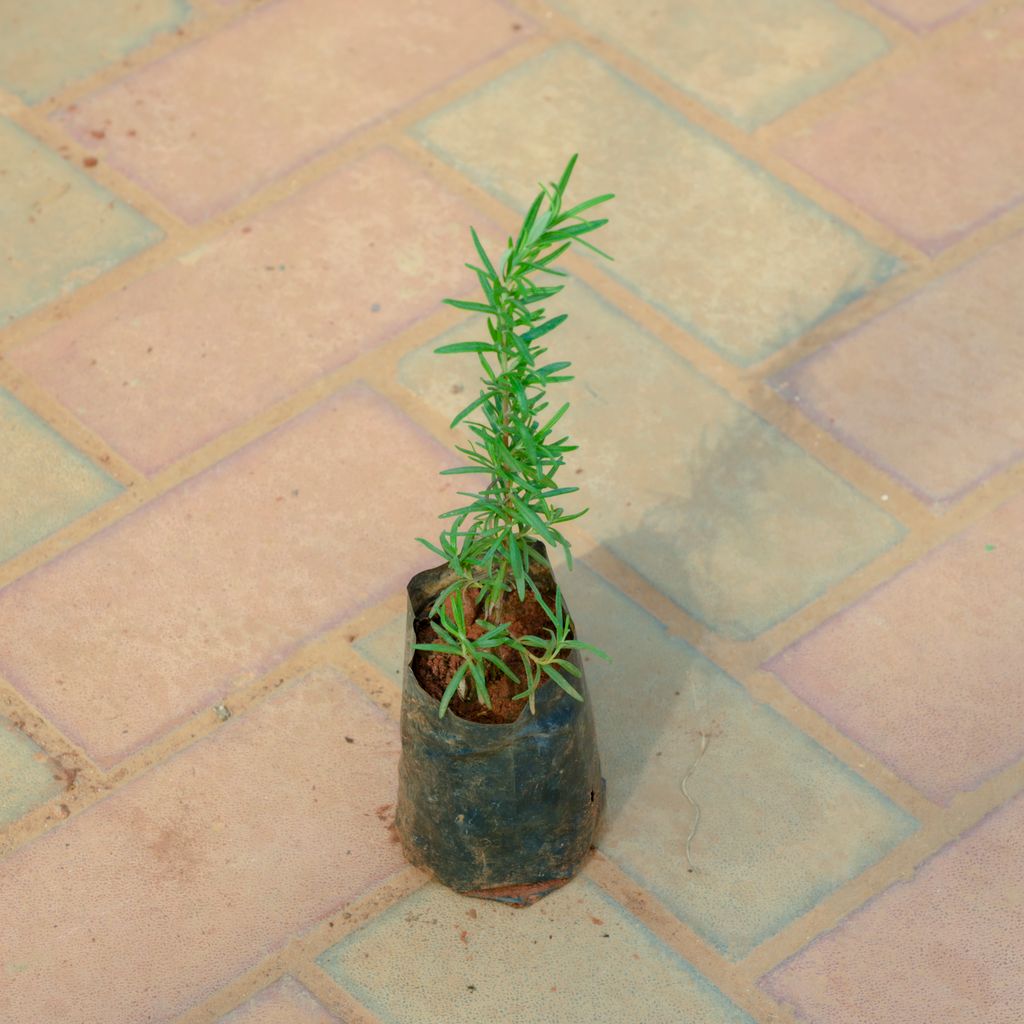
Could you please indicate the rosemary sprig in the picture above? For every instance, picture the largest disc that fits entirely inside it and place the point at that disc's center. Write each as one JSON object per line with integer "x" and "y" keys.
{"x": 489, "y": 543}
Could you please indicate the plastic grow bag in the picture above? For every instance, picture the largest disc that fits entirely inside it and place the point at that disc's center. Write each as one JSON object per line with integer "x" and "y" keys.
{"x": 505, "y": 812}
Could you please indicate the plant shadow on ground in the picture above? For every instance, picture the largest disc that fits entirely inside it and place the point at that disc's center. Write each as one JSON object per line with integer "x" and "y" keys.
{"x": 637, "y": 695}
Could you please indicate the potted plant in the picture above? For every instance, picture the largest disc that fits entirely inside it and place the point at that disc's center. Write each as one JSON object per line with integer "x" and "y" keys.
{"x": 500, "y": 787}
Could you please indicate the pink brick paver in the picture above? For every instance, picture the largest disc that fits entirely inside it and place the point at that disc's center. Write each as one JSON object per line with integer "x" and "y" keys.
{"x": 930, "y": 390}
{"x": 209, "y": 340}
{"x": 206, "y": 588}
{"x": 153, "y": 898}
{"x": 936, "y": 150}
{"x": 211, "y": 123}
{"x": 923, "y": 15}
{"x": 943, "y": 947}
{"x": 285, "y": 1002}
{"x": 926, "y": 671}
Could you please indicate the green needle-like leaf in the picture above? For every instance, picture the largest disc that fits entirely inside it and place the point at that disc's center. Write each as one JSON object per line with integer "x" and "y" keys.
{"x": 575, "y": 230}
{"x": 433, "y": 547}
{"x": 553, "y": 673}
{"x": 475, "y": 404}
{"x": 594, "y": 248}
{"x": 577, "y": 210}
{"x": 473, "y": 307}
{"x": 481, "y": 684}
{"x": 544, "y": 328}
{"x": 566, "y": 175}
{"x": 451, "y": 688}
{"x": 483, "y": 254}
{"x": 465, "y": 346}
{"x": 443, "y": 648}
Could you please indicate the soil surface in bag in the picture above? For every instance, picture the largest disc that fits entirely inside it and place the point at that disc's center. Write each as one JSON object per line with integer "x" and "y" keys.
{"x": 434, "y": 670}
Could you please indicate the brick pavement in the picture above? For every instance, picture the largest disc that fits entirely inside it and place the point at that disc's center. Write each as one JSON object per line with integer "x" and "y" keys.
{"x": 227, "y": 226}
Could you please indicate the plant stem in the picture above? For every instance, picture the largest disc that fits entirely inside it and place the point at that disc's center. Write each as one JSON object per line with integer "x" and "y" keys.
{"x": 505, "y": 329}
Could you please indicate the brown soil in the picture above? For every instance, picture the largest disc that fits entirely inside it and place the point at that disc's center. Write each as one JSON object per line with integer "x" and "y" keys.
{"x": 434, "y": 670}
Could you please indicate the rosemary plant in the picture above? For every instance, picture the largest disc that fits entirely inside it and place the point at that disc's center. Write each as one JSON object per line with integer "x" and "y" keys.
{"x": 490, "y": 544}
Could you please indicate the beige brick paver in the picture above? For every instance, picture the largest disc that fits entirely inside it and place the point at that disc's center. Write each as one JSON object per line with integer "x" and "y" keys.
{"x": 749, "y": 60}
{"x": 746, "y": 264}
{"x": 27, "y": 776}
{"x": 765, "y": 789}
{"x": 739, "y": 543}
{"x": 225, "y": 230}
{"x": 60, "y": 229}
{"x": 46, "y": 484}
{"x": 47, "y": 44}
{"x": 389, "y": 963}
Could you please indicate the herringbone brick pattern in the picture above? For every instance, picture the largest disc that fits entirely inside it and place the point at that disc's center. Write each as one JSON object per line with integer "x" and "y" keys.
{"x": 226, "y": 229}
